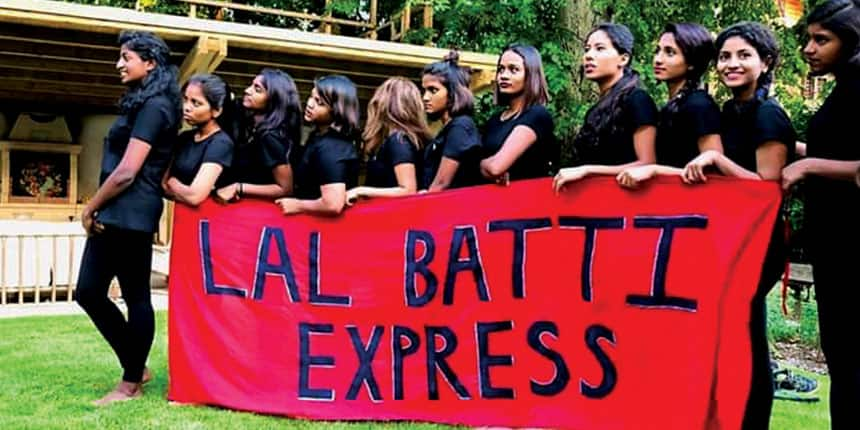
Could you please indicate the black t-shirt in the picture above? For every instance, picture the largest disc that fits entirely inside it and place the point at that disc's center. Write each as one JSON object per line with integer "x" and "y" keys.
{"x": 541, "y": 158}
{"x": 678, "y": 132}
{"x": 395, "y": 149}
{"x": 139, "y": 206}
{"x": 254, "y": 159}
{"x": 190, "y": 155}
{"x": 326, "y": 159}
{"x": 460, "y": 141}
{"x": 745, "y": 127}
{"x": 832, "y": 207}
{"x": 613, "y": 145}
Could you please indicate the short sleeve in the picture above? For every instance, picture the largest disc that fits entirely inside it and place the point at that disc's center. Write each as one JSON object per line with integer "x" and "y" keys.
{"x": 540, "y": 121}
{"x": 702, "y": 114}
{"x": 772, "y": 124}
{"x": 152, "y": 119}
{"x": 461, "y": 139}
{"x": 642, "y": 110}
{"x": 219, "y": 151}
{"x": 400, "y": 149}
{"x": 275, "y": 149}
{"x": 334, "y": 164}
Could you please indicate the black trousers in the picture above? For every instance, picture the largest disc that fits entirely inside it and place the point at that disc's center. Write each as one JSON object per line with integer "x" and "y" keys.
{"x": 836, "y": 291}
{"x": 127, "y": 255}
{"x": 760, "y": 400}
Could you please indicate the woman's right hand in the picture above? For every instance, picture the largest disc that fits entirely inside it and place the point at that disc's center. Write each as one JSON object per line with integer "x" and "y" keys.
{"x": 227, "y": 194}
{"x": 635, "y": 176}
{"x": 568, "y": 174}
{"x": 694, "y": 171}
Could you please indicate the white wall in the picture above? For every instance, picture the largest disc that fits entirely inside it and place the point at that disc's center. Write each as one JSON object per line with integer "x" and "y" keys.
{"x": 93, "y": 131}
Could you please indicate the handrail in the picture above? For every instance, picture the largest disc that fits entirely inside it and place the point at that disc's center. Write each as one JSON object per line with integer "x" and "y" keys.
{"x": 398, "y": 23}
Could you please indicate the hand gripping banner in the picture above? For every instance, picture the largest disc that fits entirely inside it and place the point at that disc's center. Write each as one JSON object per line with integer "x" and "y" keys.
{"x": 599, "y": 308}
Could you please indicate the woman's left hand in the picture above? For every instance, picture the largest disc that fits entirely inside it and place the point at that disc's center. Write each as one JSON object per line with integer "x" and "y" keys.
{"x": 694, "y": 171}
{"x": 793, "y": 173}
{"x": 289, "y": 205}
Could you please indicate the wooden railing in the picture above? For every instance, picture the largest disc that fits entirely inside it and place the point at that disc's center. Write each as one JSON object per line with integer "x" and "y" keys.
{"x": 398, "y": 24}
{"x": 39, "y": 264}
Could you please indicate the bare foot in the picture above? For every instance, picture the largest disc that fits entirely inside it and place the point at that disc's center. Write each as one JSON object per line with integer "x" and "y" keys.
{"x": 124, "y": 391}
{"x": 147, "y": 376}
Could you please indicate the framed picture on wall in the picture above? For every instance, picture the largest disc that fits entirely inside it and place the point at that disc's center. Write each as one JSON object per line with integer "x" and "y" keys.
{"x": 38, "y": 173}
{"x": 39, "y": 177}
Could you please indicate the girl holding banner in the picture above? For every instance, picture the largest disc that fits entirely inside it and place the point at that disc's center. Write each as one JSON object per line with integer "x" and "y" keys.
{"x": 619, "y": 130}
{"x": 205, "y": 151}
{"x": 520, "y": 138}
{"x": 328, "y": 165}
{"x": 689, "y": 124}
{"x": 451, "y": 158}
{"x": 832, "y": 200}
{"x": 758, "y": 139}
{"x": 394, "y": 135}
{"x": 261, "y": 160}
{"x": 123, "y": 214}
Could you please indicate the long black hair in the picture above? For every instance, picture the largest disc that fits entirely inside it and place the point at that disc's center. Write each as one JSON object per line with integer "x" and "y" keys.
{"x": 219, "y": 96}
{"x": 340, "y": 94}
{"x": 603, "y": 117}
{"x": 842, "y": 17}
{"x": 697, "y": 47}
{"x": 160, "y": 80}
{"x": 535, "y": 87}
{"x": 456, "y": 81}
{"x": 764, "y": 42}
{"x": 282, "y": 114}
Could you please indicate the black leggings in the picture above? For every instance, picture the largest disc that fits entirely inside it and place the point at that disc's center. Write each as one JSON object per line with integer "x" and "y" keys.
{"x": 837, "y": 294}
{"x": 127, "y": 255}
{"x": 760, "y": 400}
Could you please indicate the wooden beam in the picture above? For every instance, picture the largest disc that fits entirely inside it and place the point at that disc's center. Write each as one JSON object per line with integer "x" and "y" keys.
{"x": 28, "y": 62}
{"x": 14, "y": 73}
{"x": 277, "y": 12}
{"x": 112, "y": 20}
{"x": 204, "y": 57}
{"x": 25, "y": 86}
{"x": 482, "y": 79}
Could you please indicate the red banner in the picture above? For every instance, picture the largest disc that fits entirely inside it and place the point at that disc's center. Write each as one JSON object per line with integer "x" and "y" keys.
{"x": 599, "y": 308}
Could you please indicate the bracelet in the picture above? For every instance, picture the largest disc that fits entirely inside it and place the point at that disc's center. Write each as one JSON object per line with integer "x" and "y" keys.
{"x": 241, "y": 190}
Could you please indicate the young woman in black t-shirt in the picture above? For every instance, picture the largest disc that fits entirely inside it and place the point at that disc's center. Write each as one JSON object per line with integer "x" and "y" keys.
{"x": 328, "y": 165}
{"x": 619, "y": 130}
{"x": 271, "y": 130}
{"x": 832, "y": 207}
{"x": 451, "y": 158}
{"x": 122, "y": 216}
{"x": 205, "y": 151}
{"x": 395, "y": 132}
{"x": 758, "y": 139}
{"x": 689, "y": 124}
{"x": 520, "y": 139}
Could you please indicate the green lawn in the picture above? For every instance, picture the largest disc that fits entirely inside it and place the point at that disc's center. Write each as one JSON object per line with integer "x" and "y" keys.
{"x": 52, "y": 367}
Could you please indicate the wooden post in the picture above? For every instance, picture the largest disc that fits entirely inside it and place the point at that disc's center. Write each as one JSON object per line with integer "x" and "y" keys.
{"x": 327, "y": 25}
{"x": 428, "y": 15}
{"x": 192, "y": 11}
{"x": 54, "y": 269}
{"x": 36, "y": 288}
{"x": 373, "y": 7}
{"x": 70, "y": 289}
{"x": 20, "y": 269}
{"x": 405, "y": 20}
{"x": 3, "y": 270}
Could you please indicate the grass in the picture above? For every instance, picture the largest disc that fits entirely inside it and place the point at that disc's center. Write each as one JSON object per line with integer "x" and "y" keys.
{"x": 52, "y": 367}
{"x": 802, "y": 329}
